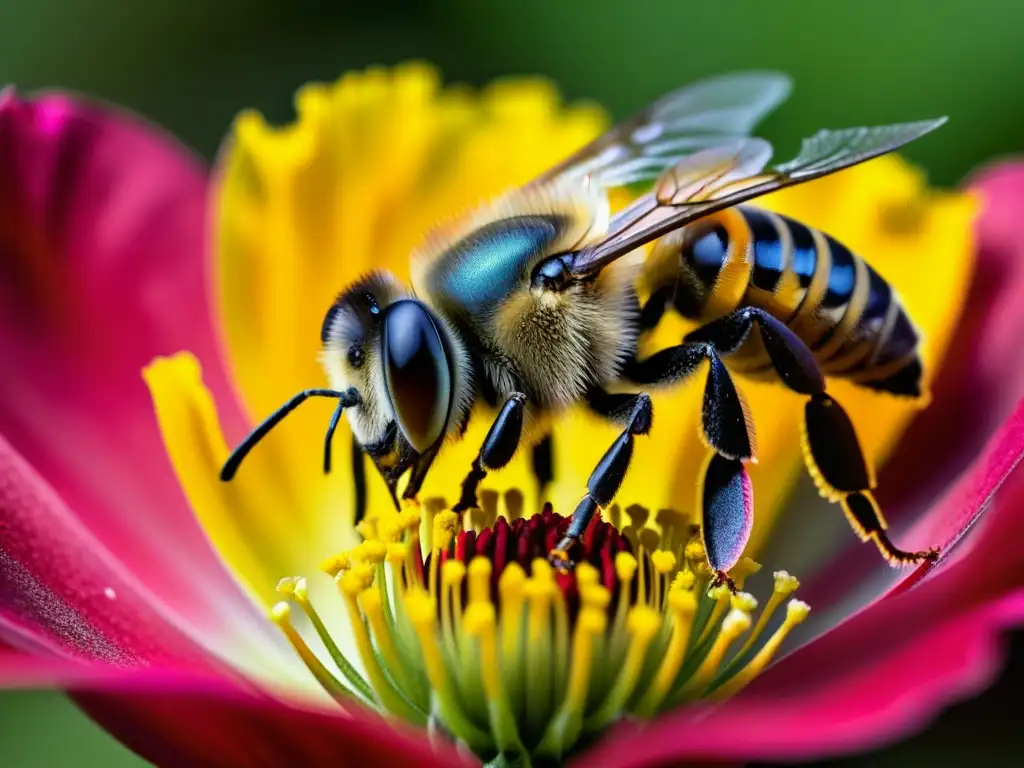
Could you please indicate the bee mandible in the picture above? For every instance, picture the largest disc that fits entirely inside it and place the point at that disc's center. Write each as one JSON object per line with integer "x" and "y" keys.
{"x": 536, "y": 301}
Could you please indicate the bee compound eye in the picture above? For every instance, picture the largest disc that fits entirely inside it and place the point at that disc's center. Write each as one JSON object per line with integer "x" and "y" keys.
{"x": 417, "y": 372}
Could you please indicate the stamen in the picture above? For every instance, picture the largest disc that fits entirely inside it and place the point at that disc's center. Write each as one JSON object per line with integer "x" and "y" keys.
{"x": 785, "y": 585}
{"x": 735, "y": 624}
{"x": 567, "y": 723}
{"x": 280, "y": 614}
{"x": 351, "y": 584}
{"x": 644, "y": 623}
{"x": 683, "y": 606}
{"x": 451, "y": 628}
{"x": 796, "y": 612}
{"x": 295, "y": 588}
{"x": 422, "y": 614}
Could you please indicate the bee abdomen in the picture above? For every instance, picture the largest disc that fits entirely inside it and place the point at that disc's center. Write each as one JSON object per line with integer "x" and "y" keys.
{"x": 846, "y": 313}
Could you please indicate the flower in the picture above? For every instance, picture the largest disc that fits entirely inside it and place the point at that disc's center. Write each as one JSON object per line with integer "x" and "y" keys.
{"x": 110, "y": 588}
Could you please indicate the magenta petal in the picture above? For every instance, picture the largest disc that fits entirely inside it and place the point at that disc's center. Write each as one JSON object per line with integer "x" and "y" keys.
{"x": 890, "y": 667}
{"x": 195, "y": 723}
{"x": 59, "y": 588}
{"x": 101, "y": 269}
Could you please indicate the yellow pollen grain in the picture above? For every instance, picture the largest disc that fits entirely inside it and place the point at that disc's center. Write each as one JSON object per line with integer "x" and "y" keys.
{"x": 445, "y": 526}
{"x": 684, "y": 580}
{"x": 390, "y": 531}
{"x": 410, "y": 519}
{"x": 625, "y": 566}
{"x": 595, "y": 597}
{"x": 334, "y": 564}
{"x": 587, "y": 575}
{"x": 371, "y": 552}
{"x": 354, "y": 581}
{"x": 694, "y": 552}
{"x": 664, "y": 562}
{"x": 743, "y": 601}
{"x": 367, "y": 529}
{"x": 785, "y": 585}
{"x": 397, "y": 552}
{"x": 796, "y": 612}
{"x": 452, "y": 572}
{"x": 286, "y": 586}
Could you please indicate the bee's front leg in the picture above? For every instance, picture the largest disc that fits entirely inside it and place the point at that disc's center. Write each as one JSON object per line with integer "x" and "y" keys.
{"x": 636, "y": 411}
{"x": 498, "y": 448}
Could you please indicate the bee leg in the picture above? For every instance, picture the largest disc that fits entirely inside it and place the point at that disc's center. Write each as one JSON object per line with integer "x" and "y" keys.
{"x": 499, "y": 447}
{"x": 834, "y": 458}
{"x": 726, "y": 426}
{"x": 636, "y": 412}
{"x": 831, "y": 449}
{"x": 726, "y": 501}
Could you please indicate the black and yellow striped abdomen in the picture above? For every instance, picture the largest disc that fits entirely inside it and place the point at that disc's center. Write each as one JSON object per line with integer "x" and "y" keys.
{"x": 847, "y": 314}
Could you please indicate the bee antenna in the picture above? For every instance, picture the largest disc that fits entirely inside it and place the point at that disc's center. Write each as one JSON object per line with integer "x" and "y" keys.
{"x": 346, "y": 399}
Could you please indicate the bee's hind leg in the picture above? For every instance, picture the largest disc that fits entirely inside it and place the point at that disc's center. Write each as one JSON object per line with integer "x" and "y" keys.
{"x": 726, "y": 494}
{"x": 498, "y": 448}
{"x": 635, "y": 412}
{"x": 831, "y": 449}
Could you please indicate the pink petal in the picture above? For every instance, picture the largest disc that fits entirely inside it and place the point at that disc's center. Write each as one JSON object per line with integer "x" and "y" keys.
{"x": 197, "y": 722}
{"x": 62, "y": 593}
{"x": 888, "y": 669}
{"x": 102, "y": 242}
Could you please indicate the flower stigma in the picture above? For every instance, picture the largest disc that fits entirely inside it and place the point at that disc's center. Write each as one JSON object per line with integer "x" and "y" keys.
{"x": 463, "y": 627}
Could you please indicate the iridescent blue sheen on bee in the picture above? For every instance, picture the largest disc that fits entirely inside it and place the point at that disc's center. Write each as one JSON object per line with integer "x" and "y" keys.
{"x": 486, "y": 267}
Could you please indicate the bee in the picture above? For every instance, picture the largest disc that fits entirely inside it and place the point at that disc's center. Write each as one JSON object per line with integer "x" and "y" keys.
{"x": 537, "y": 301}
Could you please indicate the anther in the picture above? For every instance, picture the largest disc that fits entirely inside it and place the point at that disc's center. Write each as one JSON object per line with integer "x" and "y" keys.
{"x": 335, "y": 564}
{"x": 370, "y": 552}
{"x": 664, "y": 562}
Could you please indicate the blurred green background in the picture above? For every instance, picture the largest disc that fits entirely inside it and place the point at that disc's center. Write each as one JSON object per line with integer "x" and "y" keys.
{"x": 192, "y": 64}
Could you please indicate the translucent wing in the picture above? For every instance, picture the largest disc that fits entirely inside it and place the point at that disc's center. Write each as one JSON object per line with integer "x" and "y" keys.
{"x": 735, "y": 171}
{"x": 696, "y": 117}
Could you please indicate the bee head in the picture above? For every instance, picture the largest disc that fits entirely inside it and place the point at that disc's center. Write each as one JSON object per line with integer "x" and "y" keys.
{"x": 407, "y": 364}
